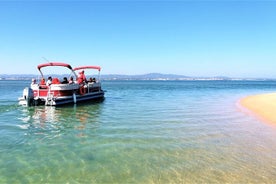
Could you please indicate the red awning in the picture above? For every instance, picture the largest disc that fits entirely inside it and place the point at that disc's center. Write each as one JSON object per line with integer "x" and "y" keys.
{"x": 87, "y": 67}
{"x": 54, "y": 64}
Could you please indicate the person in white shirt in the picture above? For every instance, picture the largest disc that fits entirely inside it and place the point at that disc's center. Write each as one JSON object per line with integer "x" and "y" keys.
{"x": 49, "y": 81}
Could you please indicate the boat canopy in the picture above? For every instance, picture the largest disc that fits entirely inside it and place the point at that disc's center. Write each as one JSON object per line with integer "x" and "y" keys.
{"x": 87, "y": 67}
{"x": 54, "y": 64}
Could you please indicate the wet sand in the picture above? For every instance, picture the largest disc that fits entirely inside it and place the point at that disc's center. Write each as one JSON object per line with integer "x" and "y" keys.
{"x": 263, "y": 106}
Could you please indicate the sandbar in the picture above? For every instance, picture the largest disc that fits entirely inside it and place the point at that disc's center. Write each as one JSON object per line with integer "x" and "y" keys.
{"x": 263, "y": 106}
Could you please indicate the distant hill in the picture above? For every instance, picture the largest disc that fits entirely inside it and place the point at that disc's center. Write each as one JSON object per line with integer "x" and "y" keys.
{"x": 149, "y": 76}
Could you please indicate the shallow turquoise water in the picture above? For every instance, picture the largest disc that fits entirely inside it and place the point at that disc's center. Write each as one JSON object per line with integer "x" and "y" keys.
{"x": 143, "y": 132}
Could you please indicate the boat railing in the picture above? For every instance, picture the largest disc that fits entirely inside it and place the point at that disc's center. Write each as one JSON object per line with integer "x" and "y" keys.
{"x": 93, "y": 86}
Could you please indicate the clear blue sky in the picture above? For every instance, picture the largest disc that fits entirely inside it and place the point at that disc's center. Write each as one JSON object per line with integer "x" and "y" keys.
{"x": 228, "y": 38}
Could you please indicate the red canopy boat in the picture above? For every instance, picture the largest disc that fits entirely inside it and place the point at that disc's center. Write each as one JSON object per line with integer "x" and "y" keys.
{"x": 54, "y": 92}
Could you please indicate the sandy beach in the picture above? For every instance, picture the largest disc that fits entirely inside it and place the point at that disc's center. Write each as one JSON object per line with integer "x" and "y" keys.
{"x": 263, "y": 106}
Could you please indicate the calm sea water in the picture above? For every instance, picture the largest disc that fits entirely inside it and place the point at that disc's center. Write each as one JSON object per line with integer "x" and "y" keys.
{"x": 143, "y": 132}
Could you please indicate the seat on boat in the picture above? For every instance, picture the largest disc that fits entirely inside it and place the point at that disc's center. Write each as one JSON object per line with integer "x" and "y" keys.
{"x": 43, "y": 87}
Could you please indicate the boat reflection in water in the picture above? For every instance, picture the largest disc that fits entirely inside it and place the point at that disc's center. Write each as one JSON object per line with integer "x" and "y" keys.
{"x": 51, "y": 122}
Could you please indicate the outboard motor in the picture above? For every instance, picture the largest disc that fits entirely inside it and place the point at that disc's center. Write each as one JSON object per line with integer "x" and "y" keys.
{"x": 28, "y": 96}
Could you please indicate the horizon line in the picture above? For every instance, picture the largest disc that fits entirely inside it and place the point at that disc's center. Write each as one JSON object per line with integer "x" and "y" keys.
{"x": 174, "y": 76}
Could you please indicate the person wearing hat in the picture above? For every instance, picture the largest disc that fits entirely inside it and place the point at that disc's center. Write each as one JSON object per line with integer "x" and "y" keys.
{"x": 33, "y": 81}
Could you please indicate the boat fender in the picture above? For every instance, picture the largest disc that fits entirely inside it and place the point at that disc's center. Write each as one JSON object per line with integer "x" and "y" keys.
{"x": 74, "y": 98}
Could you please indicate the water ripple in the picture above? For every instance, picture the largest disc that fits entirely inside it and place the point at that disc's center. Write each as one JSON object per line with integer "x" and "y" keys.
{"x": 143, "y": 132}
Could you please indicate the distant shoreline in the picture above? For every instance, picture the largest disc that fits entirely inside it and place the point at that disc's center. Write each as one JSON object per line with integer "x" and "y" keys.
{"x": 125, "y": 79}
{"x": 150, "y": 76}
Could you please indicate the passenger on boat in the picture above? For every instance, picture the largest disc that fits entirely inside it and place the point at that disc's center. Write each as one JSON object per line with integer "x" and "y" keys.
{"x": 42, "y": 81}
{"x": 92, "y": 79}
{"x": 55, "y": 81}
{"x": 81, "y": 77}
{"x": 71, "y": 80}
{"x": 65, "y": 81}
{"x": 49, "y": 81}
{"x": 33, "y": 82}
